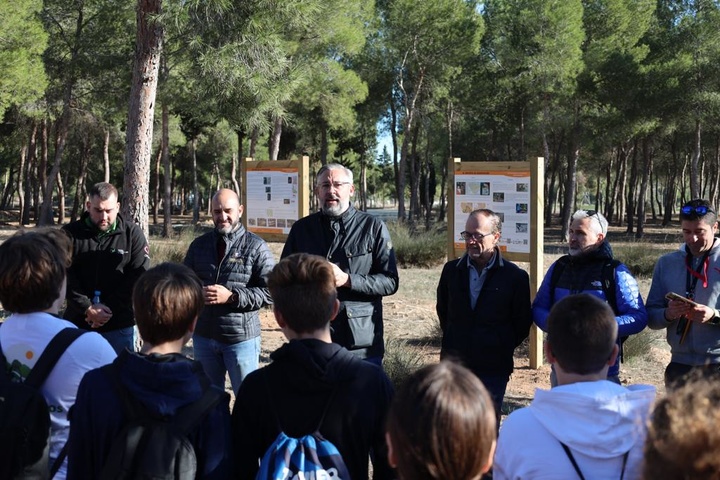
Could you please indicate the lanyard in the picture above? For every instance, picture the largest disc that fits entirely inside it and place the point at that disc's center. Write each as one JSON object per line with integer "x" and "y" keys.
{"x": 693, "y": 275}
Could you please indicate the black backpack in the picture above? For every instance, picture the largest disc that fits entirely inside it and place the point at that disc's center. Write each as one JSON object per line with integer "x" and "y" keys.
{"x": 25, "y": 416}
{"x": 150, "y": 447}
{"x": 608, "y": 286}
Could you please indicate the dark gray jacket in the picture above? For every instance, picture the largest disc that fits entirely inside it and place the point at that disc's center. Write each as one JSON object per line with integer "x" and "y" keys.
{"x": 360, "y": 245}
{"x": 243, "y": 269}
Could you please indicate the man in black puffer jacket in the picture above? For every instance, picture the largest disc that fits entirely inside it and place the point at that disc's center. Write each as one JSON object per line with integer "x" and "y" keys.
{"x": 232, "y": 264}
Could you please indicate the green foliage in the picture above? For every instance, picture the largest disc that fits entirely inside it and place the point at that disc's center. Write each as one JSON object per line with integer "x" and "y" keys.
{"x": 639, "y": 258}
{"x": 417, "y": 249}
{"x": 401, "y": 360}
{"x": 22, "y": 43}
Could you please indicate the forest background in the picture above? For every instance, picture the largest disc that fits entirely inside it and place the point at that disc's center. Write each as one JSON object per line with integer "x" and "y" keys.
{"x": 621, "y": 98}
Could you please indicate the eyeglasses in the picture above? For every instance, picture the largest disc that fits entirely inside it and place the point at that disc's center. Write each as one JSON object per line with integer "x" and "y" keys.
{"x": 335, "y": 185}
{"x": 700, "y": 210}
{"x": 478, "y": 237}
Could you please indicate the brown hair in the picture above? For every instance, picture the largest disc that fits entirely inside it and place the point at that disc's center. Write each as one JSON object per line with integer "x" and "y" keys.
{"x": 581, "y": 333}
{"x": 683, "y": 438}
{"x": 166, "y": 300}
{"x": 103, "y": 191}
{"x": 32, "y": 269}
{"x": 303, "y": 290}
{"x": 441, "y": 424}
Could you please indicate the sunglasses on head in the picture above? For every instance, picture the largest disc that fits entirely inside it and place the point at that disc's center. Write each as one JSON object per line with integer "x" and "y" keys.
{"x": 699, "y": 210}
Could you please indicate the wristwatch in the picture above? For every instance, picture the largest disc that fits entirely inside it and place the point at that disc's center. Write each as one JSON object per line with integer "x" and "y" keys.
{"x": 233, "y": 300}
{"x": 715, "y": 320}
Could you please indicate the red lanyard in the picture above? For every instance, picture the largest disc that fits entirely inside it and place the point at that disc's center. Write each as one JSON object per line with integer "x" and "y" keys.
{"x": 704, "y": 265}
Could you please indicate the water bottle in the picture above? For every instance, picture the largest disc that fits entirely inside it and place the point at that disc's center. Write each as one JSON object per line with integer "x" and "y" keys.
{"x": 96, "y": 297}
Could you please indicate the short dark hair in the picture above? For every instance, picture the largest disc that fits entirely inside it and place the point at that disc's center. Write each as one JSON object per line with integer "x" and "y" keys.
{"x": 303, "y": 290}
{"x": 103, "y": 190}
{"x": 33, "y": 265}
{"x": 582, "y": 332}
{"x": 166, "y": 299}
{"x": 682, "y": 439}
{"x": 442, "y": 424}
{"x": 710, "y": 217}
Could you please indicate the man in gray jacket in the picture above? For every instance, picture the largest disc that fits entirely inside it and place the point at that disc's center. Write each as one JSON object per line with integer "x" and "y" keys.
{"x": 232, "y": 264}
{"x": 693, "y": 272}
{"x": 359, "y": 247}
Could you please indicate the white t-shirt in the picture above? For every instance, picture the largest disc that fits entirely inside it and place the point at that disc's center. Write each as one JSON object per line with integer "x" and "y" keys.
{"x": 23, "y": 338}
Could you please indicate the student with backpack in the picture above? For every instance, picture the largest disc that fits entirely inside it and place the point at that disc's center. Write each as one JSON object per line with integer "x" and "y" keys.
{"x": 153, "y": 413}
{"x": 33, "y": 269}
{"x": 589, "y": 267}
{"x": 316, "y": 403}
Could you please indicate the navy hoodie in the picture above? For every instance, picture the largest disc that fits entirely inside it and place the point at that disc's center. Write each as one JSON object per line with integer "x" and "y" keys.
{"x": 163, "y": 384}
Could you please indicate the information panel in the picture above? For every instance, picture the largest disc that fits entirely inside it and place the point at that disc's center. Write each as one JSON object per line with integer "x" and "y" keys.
{"x": 506, "y": 193}
{"x": 272, "y": 200}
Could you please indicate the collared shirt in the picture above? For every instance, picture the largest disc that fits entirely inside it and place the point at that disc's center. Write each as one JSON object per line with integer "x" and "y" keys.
{"x": 477, "y": 279}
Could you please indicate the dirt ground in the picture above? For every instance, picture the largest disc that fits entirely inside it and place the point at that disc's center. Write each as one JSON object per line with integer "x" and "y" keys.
{"x": 409, "y": 315}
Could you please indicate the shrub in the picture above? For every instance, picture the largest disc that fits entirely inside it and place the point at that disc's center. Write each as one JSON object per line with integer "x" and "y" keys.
{"x": 171, "y": 249}
{"x": 401, "y": 360}
{"x": 418, "y": 248}
{"x": 639, "y": 258}
{"x": 638, "y": 345}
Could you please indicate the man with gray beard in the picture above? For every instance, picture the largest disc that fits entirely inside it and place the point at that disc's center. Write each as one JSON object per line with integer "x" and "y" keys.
{"x": 359, "y": 248}
{"x": 232, "y": 264}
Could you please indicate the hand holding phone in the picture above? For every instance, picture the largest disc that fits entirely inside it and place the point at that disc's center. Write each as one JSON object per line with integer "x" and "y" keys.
{"x": 679, "y": 298}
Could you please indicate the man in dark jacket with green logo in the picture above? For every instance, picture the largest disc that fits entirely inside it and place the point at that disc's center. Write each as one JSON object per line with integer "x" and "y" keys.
{"x": 359, "y": 247}
{"x": 109, "y": 255}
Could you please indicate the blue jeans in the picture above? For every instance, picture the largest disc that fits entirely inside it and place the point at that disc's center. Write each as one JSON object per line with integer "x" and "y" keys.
{"x": 121, "y": 339}
{"x": 238, "y": 359}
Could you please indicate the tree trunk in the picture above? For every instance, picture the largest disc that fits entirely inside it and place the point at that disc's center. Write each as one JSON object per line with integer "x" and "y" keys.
{"x": 167, "y": 174}
{"x": 41, "y": 169}
{"x": 146, "y": 66}
{"x": 253, "y": 142}
{"x": 156, "y": 201}
{"x": 695, "y": 160}
{"x": 30, "y": 176}
{"x": 410, "y": 112}
{"x": 8, "y": 188}
{"x": 647, "y": 168}
{"x": 79, "y": 199}
{"x": 275, "y": 138}
{"x": 196, "y": 189}
{"x": 323, "y": 143}
{"x": 61, "y": 199}
{"x": 393, "y": 137}
{"x": 106, "y": 155}
{"x": 234, "y": 174}
{"x": 22, "y": 173}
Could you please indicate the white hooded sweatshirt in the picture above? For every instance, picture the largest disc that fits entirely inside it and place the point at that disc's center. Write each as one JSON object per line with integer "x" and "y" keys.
{"x": 598, "y": 421}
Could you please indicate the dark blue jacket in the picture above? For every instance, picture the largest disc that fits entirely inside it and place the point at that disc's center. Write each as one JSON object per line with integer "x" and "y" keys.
{"x": 484, "y": 338}
{"x": 243, "y": 269}
{"x": 360, "y": 245}
{"x": 163, "y": 383}
{"x": 583, "y": 274}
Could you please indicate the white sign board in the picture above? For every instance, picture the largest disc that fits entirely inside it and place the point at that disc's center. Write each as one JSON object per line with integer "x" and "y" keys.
{"x": 505, "y": 193}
